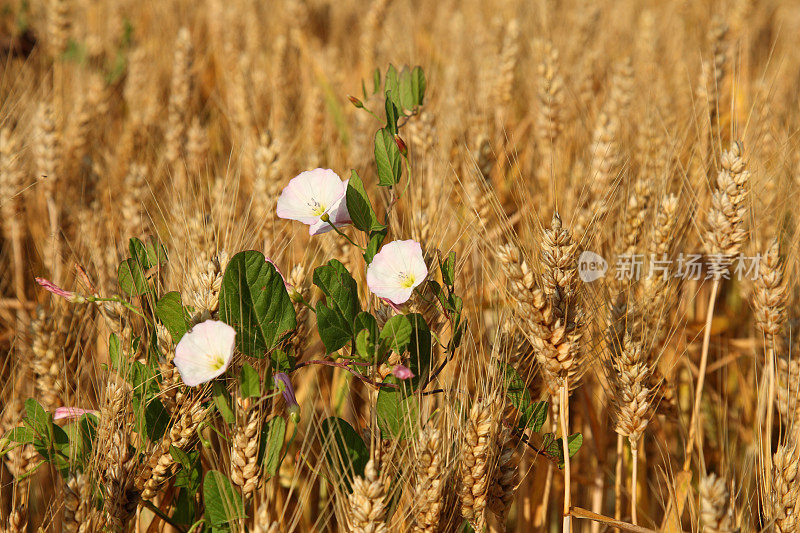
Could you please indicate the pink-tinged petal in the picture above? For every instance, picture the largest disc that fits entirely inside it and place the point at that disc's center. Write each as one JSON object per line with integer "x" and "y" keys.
{"x": 398, "y": 296}
{"x": 69, "y": 413}
{"x": 338, "y": 212}
{"x": 293, "y": 204}
{"x": 205, "y": 352}
{"x": 338, "y": 215}
{"x": 393, "y": 305}
{"x": 402, "y": 372}
{"x": 319, "y": 227}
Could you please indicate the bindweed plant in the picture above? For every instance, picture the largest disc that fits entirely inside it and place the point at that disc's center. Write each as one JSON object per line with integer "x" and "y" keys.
{"x": 190, "y": 384}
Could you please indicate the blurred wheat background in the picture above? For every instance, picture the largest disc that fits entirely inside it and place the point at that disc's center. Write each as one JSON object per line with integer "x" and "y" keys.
{"x": 652, "y": 129}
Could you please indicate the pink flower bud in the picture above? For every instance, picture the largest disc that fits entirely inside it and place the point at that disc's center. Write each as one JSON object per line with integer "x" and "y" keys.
{"x": 58, "y": 291}
{"x": 401, "y": 145}
{"x": 69, "y": 413}
{"x": 402, "y": 372}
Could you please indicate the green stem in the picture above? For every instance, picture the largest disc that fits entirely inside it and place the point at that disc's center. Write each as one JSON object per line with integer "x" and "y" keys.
{"x": 117, "y": 299}
{"x": 326, "y": 218}
{"x": 159, "y": 513}
{"x": 305, "y": 302}
{"x": 286, "y": 450}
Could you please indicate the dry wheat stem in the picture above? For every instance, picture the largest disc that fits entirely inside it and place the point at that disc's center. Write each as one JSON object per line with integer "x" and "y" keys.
{"x": 701, "y": 376}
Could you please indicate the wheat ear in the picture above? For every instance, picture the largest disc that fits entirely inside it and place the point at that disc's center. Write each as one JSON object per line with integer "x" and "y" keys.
{"x": 725, "y": 237}
{"x": 368, "y": 502}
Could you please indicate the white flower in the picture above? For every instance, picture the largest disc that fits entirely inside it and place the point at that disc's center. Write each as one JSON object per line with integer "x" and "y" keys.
{"x": 205, "y": 352}
{"x": 396, "y": 270}
{"x": 313, "y": 194}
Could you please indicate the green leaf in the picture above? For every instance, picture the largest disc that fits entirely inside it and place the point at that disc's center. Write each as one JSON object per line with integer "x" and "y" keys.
{"x": 418, "y": 85}
{"x": 391, "y": 79}
{"x": 169, "y": 311}
{"x": 408, "y": 100}
{"x": 391, "y": 87}
{"x": 461, "y": 326}
{"x": 114, "y": 351}
{"x": 190, "y": 473}
{"x": 156, "y": 420}
{"x": 21, "y": 434}
{"x": 185, "y": 512}
{"x": 397, "y": 413}
{"x": 419, "y": 348}
{"x": 272, "y": 436}
{"x": 155, "y": 252}
{"x": 376, "y": 81}
{"x": 554, "y": 449}
{"x": 366, "y": 327}
{"x": 376, "y": 238}
{"x": 253, "y": 300}
{"x": 387, "y": 158}
{"x": 139, "y": 254}
{"x": 358, "y": 204}
{"x": 223, "y": 401}
{"x": 336, "y": 315}
{"x": 392, "y": 115}
{"x": 449, "y": 270}
{"x": 531, "y": 414}
{"x": 132, "y": 279}
{"x": 332, "y": 328}
{"x": 282, "y": 361}
{"x": 249, "y": 382}
{"x": 574, "y": 443}
{"x": 38, "y": 419}
{"x": 223, "y": 503}
{"x": 397, "y": 333}
{"x": 81, "y": 435}
{"x": 340, "y": 289}
{"x": 345, "y": 451}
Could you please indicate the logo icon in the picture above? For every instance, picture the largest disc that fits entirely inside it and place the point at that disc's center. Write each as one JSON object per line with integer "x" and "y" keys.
{"x": 591, "y": 267}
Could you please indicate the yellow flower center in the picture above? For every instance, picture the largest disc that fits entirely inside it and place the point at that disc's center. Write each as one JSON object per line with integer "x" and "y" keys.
{"x": 217, "y": 362}
{"x": 407, "y": 280}
{"x": 317, "y": 208}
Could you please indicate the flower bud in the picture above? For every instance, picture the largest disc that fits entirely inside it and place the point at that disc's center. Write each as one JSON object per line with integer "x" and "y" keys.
{"x": 401, "y": 145}
{"x": 356, "y": 102}
{"x": 284, "y": 385}
{"x": 402, "y": 372}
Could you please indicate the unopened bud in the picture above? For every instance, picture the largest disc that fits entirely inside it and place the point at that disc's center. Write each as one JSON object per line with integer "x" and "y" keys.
{"x": 401, "y": 145}
{"x": 355, "y": 101}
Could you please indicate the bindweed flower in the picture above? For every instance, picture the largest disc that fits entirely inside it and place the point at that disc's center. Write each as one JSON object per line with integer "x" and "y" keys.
{"x": 396, "y": 271}
{"x": 317, "y": 198}
{"x": 402, "y": 372}
{"x": 69, "y": 413}
{"x": 70, "y": 296}
{"x": 204, "y": 352}
{"x": 284, "y": 385}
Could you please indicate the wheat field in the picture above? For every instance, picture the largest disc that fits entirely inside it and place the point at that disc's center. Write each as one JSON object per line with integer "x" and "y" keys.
{"x": 548, "y": 283}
